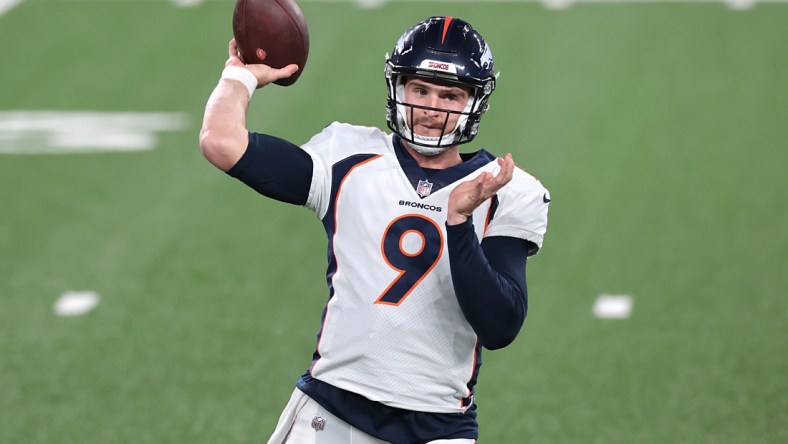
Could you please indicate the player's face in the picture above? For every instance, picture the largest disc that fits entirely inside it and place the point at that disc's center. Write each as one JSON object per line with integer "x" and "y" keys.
{"x": 433, "y": 122}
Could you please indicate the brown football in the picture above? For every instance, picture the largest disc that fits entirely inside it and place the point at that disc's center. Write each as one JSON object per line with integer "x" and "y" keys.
{"x": 272, "y": 32}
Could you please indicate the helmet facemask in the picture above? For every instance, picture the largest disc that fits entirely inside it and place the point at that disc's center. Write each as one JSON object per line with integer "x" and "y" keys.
{"x": 462, "y": 132}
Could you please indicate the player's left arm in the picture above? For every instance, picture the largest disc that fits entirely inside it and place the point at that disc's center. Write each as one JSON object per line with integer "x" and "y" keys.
{"x": 488, "y": 278}
{"x": 489, "y": 281}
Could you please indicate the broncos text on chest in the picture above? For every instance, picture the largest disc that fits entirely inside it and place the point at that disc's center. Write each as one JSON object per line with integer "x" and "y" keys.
{"x": 419, "y": 205}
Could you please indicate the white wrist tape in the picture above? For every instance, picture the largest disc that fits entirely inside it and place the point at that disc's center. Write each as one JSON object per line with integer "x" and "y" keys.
{"x": 242, "y": 75}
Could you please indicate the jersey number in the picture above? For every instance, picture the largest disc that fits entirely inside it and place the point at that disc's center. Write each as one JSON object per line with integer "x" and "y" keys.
{"x": 413, "y": 266}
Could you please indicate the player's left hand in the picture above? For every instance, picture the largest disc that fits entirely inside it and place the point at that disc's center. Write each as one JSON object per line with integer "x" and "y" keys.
{"x": 467, "y": 196}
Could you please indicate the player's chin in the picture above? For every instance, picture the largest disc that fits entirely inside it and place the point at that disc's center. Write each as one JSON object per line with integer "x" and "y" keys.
{"x": 428, "y": 131}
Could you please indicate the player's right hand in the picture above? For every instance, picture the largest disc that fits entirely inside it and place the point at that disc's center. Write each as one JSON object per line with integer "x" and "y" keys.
{"x": 264, "y": 73}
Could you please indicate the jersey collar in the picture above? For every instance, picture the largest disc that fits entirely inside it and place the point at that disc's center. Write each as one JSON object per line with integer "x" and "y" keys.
{"x": 438, "y": 178}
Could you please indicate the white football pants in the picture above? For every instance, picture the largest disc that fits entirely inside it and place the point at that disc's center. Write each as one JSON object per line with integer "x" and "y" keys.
{"x": 304, "y": 421}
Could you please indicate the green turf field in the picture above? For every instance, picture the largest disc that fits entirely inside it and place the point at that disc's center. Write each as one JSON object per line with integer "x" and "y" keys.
{"x": 661, "y": 131}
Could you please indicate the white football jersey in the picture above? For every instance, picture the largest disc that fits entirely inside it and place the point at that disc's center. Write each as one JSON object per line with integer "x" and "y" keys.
{"x": 393, "y": 330}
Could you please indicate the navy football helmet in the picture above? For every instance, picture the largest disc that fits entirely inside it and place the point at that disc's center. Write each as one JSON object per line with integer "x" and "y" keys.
{"x": 444, "y": 49}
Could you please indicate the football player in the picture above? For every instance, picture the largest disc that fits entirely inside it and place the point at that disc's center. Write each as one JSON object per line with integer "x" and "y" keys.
{"x": 427, "y": 246}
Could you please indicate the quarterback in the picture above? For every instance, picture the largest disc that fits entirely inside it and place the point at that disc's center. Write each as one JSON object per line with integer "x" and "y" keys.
{"x": 427, "y": 246}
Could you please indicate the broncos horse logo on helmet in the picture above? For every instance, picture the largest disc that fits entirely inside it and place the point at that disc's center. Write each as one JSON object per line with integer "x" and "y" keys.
{"x": 444, "y": 49}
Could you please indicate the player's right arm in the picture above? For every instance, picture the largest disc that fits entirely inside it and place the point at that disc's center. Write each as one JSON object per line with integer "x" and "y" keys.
{"x": 223, "y": 137}
{"x": 275, "y": 168}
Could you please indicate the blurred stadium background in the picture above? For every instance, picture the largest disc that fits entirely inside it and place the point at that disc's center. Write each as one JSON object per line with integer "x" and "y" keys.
{"x": 660, "y": 128}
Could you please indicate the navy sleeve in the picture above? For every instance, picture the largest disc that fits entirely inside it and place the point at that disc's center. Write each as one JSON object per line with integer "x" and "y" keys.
{"x": 275, "y": 168}
{"x": 489, "y": 281}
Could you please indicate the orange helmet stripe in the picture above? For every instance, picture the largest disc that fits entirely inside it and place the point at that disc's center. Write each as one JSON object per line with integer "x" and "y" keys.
{"x": 446, "y": 25}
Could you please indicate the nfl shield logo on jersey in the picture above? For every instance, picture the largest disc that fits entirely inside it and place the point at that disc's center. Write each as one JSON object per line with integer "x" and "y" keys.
{"x": 424, "y": 189}
{"x": 318, "y": 423}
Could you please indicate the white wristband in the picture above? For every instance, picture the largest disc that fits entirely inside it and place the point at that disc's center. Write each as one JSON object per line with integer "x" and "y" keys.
{"x": 242, "y": 75}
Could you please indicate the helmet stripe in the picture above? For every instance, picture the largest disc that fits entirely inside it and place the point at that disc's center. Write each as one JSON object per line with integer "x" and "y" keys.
{"x": 446, "y": 25}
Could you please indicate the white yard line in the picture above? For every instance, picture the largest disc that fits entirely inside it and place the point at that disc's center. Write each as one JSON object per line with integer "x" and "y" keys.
{"x": 76, "y": 303}
{"x": 187, "y": 3}
{"x": 613, "y": 306}
{"x": 53, "y": 132}
{"x": 7, "y": 5}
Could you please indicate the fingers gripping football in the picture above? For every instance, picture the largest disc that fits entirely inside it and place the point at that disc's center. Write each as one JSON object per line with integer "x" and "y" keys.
{"x": 264, "y": 73}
